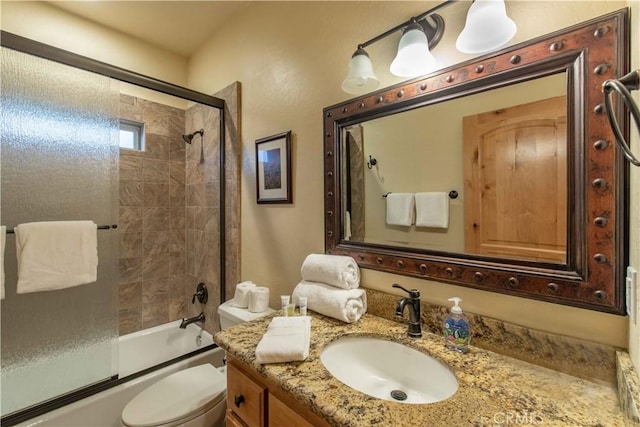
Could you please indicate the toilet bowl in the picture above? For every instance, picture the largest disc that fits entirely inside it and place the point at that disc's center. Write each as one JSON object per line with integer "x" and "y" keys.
{"x": 194, "y": 397}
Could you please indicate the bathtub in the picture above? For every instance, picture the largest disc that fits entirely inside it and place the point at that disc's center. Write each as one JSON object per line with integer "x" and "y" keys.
{"x": 144, "y": 358}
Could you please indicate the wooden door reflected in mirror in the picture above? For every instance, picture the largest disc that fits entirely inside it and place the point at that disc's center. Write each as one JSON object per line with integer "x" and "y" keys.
{"x": 515, "y": 175}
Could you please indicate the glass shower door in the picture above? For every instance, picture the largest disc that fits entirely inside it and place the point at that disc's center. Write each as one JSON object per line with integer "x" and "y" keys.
{"x": 59, "y": 154}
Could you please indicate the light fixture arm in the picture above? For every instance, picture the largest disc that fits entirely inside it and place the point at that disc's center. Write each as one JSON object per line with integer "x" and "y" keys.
{"x": 400, "y": 27}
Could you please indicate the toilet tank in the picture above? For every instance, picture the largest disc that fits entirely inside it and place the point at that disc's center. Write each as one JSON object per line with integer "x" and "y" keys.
{"x": 231, "y": 315}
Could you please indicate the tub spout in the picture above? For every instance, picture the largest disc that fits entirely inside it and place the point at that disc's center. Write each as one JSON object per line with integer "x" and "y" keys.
{"x": 186, "y": 321}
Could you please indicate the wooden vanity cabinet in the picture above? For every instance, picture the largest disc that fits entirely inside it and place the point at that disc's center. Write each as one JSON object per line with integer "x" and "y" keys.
{"x": 253, "y": 401}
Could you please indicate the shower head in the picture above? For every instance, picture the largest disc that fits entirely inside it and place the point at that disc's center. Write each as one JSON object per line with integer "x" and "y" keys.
{"x": 188, "y": 138}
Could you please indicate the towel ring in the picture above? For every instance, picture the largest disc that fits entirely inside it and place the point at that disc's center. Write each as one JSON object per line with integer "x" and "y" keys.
{"x": 620, "y": 86}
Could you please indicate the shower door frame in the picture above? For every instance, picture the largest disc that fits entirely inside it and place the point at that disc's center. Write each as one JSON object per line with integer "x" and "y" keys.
{"x": 42, "y": 50}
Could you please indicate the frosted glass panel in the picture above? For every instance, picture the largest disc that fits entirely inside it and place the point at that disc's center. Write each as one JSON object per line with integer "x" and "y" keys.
{"x": 58, "y": 162}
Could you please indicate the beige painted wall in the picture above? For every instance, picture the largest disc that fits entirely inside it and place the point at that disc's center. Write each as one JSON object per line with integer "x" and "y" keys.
{"x": 47, "y": 24}
{"x": 291, "y": 58}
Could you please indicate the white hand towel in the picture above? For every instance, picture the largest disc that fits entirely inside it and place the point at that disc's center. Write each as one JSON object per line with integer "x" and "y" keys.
{"x": 56, "y": 255}
{"x": 3, "y": 241}
{"x": 241, "y": 294}
{"x": 258, "y": 299}
{"x": 347, "y": 305}
{"x": 335, "y": 270}
{"x": 432, "y": 209}
{"x": 400, "y": 209}
{"x": 287, "y": 340}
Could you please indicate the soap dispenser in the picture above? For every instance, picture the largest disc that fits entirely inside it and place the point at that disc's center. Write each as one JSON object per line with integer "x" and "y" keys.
{"x": 457, "y": 330}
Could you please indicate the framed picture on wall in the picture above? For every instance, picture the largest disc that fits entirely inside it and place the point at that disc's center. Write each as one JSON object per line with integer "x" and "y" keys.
{"x": 273, "y": 169}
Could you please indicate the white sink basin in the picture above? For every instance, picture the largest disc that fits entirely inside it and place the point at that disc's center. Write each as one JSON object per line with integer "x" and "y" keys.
{"x": 388, "y": 370}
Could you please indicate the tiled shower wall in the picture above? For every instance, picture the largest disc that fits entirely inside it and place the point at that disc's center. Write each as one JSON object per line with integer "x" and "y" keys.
{"x": 169, "y": 212}
{"x": 152, "y": 218}
{"x": 202, "y": 207}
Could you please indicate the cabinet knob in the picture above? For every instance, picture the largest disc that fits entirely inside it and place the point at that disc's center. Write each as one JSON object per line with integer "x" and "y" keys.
{"x": 238, "y": 400}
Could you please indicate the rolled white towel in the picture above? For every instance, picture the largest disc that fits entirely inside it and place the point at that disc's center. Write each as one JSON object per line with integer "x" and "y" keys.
{"x": 241, "y": 294}
{"x": 287, "y": 340}
{"x": 347, "y": 305}
{"x": 335, "y": 270}
{"x": 258, "y": 299}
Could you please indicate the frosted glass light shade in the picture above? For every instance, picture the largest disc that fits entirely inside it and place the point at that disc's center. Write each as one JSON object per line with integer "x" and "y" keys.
{"x": 487, "y": 28}
{"x": 413, "y": 58}
{"x": 360, "y": 76}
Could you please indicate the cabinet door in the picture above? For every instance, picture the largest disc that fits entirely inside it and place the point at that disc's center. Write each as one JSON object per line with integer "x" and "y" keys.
{"x": 281, "y": 415}
{"x": 245, "y": 398}
{"x": 232, "y": 420}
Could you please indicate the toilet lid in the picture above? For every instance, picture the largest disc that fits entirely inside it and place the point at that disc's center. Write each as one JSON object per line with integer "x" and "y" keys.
{"x": 183, "y": 395}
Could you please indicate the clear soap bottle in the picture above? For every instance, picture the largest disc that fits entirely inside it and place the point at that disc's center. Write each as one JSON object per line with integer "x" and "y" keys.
{"x": 457, "y": 329}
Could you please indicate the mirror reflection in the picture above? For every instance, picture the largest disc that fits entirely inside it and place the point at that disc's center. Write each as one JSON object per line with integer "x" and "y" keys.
{"x": 483, "y": 174}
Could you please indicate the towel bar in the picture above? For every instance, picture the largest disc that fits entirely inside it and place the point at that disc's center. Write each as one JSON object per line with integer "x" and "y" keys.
{"x": 100, "y": 227}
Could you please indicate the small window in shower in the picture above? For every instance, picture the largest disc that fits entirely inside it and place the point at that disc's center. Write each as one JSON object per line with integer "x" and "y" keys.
{"x": 131, "y": 135}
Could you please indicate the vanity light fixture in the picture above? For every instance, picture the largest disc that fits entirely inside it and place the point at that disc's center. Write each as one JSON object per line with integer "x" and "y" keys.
{"x": 413, "y": 58}
{"x": 487, "y": 28}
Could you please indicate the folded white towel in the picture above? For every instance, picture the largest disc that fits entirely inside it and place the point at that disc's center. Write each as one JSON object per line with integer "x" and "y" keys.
{"x": 335, "y": 270}
{"x": 287, "y": 340}
{"x": 56, "y": 255}
{"x": 432, "y": 209}
{"x": 258, "y": 299}
{"x": 400, "y": 209}
{"x": 347, "y": 305}
{"x": 3, "y": 241}
{"x": 241, "y": 294}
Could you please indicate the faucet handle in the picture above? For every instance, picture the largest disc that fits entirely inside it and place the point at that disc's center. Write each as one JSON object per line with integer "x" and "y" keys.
{"x": 413, "y": 293}
{"x": 201, "y": 294}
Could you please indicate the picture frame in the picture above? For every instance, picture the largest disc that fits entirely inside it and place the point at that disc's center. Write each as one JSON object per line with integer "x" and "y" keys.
{"x": 273, "y": 169}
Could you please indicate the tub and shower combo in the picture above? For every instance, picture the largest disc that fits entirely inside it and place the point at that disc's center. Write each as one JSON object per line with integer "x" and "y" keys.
{"x": 64, "y": 362}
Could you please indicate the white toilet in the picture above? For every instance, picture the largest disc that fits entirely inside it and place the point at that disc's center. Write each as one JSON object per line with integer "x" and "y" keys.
{"x": 194, "y": 397}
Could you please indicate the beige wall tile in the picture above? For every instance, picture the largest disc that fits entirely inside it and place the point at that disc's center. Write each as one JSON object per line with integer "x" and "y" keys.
{"x": 156, "y": 194}
{"x": 177, "y": 149}
{"x": 130, "y": 219}
{"x": 177, "y": 218}
{"x": 156, "y": 218}
{"x": 155, "y": 302}
{"x": 155, "y": 171}
{"x": 131, "y": 193}
{"x": 177, "y": 297}
{"x": 130, "y": 307}
{"x": 130, "y": 168}
{"x": 130, "y": 270}
{"x": 157, "y": 146}
{"x": 130, "y": 245}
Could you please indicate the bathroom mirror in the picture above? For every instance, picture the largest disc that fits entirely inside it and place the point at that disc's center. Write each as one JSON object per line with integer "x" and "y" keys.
{"x": 518, "y": 142}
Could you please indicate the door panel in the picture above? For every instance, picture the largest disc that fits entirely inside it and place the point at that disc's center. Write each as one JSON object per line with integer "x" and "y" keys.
{"x": 508, "y": 153}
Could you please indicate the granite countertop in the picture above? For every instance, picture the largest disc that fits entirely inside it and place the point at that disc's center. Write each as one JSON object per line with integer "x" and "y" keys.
{"x": 493, "y": 389}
